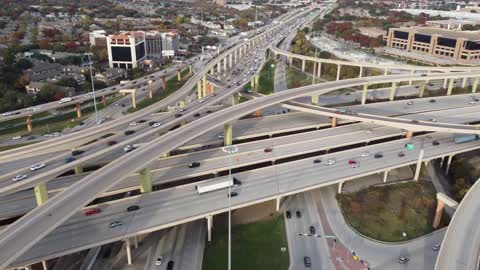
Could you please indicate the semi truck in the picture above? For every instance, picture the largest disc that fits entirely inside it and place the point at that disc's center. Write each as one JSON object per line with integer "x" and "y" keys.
{"x": 217, "y": 184}
{"x": 463, "y": 138}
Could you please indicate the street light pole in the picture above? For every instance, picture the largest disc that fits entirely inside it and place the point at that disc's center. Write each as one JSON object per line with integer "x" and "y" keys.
{"x": 93, "y": 90}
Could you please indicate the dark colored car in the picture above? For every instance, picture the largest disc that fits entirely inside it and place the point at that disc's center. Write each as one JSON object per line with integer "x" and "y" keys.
{"x": 298, "y": 213}
{"x": 401, "y": 154}
{"x": 435, "y": 143}
{"x": 142, "y": 121}
{"x": 133, "y": 208}
{"x": 378, "y": 155}
{"x": 288, "y": 214}
{"x": 77, "y": 152}
{"x": 170, "y": 265}
{"x": 196, "y": 115}
{"x": 432, "y": 101}
{"x": 312, "y": 230}
{"x": 414, "y": 121}
{"x": 110, "y": 143}
{"x": 129, "y": 132}
{"x": 317, "y": 161}
{"x": 208, "y": 111}
{"x": 30, "y": 137}
{"x": 268, "y": 150}
{"x": 232, "y": 194}
{"x": 69, "y": 159}
{"x": 194, "y": 165}
{"x": 307, "y": 262}
{"x": 178, "y": 115}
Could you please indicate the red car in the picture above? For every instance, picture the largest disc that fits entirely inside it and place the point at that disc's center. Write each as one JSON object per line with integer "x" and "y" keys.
{"x": 93, "y": 211}
{"x": 351, "y": 161}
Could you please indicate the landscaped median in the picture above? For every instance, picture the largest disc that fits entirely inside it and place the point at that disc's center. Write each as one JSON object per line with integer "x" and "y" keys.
{"x": 255, "y": 245}
{"x": 172, "y": 85}
{"x": 392, "y": 213}
{"x": 267, "y": 75}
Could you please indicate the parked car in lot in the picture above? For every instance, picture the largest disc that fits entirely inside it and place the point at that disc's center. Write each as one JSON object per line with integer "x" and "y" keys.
{"x": 129, "y": 132}
{"x": 92, "y": 211}
{"x": 37, "y": 166}
{"x": 19, "y": 177}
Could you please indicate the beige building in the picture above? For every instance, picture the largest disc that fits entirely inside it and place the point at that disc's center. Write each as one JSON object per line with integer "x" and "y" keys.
{"x": 460, "y": 46}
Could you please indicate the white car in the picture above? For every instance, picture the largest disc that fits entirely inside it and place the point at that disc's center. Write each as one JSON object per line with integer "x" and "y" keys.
{"x": 6, "y": 113}
{"x": 132, "y": 124}
{"x": 370, "y": 131}
{"x": 355, "y": 165}
{"x": 127, "y": 148}
{"x": 156, "y": 124}
{"x": 159, "y": 261}
{"x": 19, "y": 177}
{"x": 330, "y": 162}
{"x": 365, "y": 154}
{"x": 201, "y": 100}
{"x": 17, "y": 137}
{"x": 37, "y": 166}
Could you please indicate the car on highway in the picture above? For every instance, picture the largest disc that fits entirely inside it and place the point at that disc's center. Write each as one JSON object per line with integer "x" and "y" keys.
{"x": 365, "y": 154}
{"x": 432, "y": 100}
{"x": 156, "y": 124}
{"x": 69, "y": 159}
{"x": 312, "y": 230}
{"x": 330, "y": 162}
{"x": 410, "y": 103}
{"x": 436, "y": 247}
{"x": 115, "y": 223}
{"x": 133, "y": 208}
{"x": 92, "y": 211}
{"x": 17, "y": 137}
{"x": 194, "y": 165}
{"x": 19, "y": 177}
{"x": 378, "y": 155}
{"x": 170, "y": 265}
{"x": 133, "y": 124}
{"x": 110, "y": 143}
{"x": 37, "y": 166}
{"x": 409, "y": 146}
{"x": 159, "y": 261}
{"x": 177, "y": 115}
{"x": 129, "y": 132}
{"x": 370, "y": 131}
{"x": 414, "y": 121}
{"x": 355, "y": 164}
{"x": 232, "y": 194}
{"x": 432, "y": 120}
{"x": 298, "y": 214}
{"x": 317, "y": 161}
{"x": 307, "y": 262}
{"x": 435, "y": 143}
{"x": 403, "y": 260}
{"x": 288, "y": 214}
{"x": 128, "y": 148}
{"x": 196, "y": 115}
{"x": 267, "y": 150}
{"x": 401, "y": 154}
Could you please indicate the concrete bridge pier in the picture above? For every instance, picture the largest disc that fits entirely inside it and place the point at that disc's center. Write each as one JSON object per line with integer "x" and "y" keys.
{"x": 278, "y": 201}
{"x": 227, "y": 134}
{"x": 450, "y": 87}
{"x": 449, "y": 161}
{"x": 41, "y": 193}
{"x": 319, "y": 71}
{"x": 334, "y": 122}
{"x": 464, "y": 82}
{"x": 190, "y": 69}
{"x": 313, "y": 73}
{"x": 392, "y": 91}
{"x": 235, "y": 99}
{"x": 179, "y": 74}
{"x": 212, "y": 71}
{"x": 199, "y": 90}
{"x": 360, "y": 73}
{"x": 150, "y": 91}
{"x": 385, "y": 72}
{"x": 340, "y": 186}
{"x": 104, "y": 101}
{"x": 364, "y": 94}
{"x": 145, "y": 180}
{"x": 303, "y": 65}
{"x": 204, "y": 88}
{"x": 419, "y": 165}
{"x": 445, "y": 83}
{"x": 409, "y": 134}
{"x": 474, "y": 85}
{"x": 290, "y": 61}
{"x": 315, "y": 100}
{"x": 27, "y": 267}
{"x": 410, "y": 81}
{"x": 78, "y": 169}
{"x": 29, "y": 123}
{"x": 385, "y": 176}
{"x": 235, "y": 54}
{"x": 442, "y": 200}
{"x": 209, "y": 228}
{"x": 129, "y": 251}
{"x": 339, "y": 70}
{"x": 421, "y": 90}
{"x": 219, "y": 67}
{"x": 164, "y": 83}
{"x": 78, "y": 109}
{"x": 230, "y": 60}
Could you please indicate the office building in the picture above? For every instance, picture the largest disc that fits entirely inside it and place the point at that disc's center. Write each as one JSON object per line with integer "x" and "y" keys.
{"x": 170, "y": 44}
{"x": 126, "y": 50}
{"x": 459, "y": 46}
{"x": 153, "y": 44}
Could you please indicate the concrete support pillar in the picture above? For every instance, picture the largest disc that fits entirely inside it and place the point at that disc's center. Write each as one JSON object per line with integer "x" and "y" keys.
{"x": 179, "y": 74}
{"x": 450, "y": 87}
{"x": 252, "y": 84}
{"x": 204, "y": 88}
{"x": 385, "y": 72}
{"x": 145, "y": 180}
{"x": 445, "y": 83}
{"x": 235, "y": 99}
{"x": 360, "y": 74}
{"x": 44, "y": 265}
{"x": 190, "y": 69}
{"x": 474, "y": 85}
{"x": 164, "y": 83}
{"x": 219, "y": 67}
{"x": 339, "y": 70}
{"x": 303, "y": 65}
{"x": 290, "y": 61}
{"x": 225, "y": 64}
{"x": 235, "y": 54}
{"x": 410, "y": 82}
{"x": 199, "y": 90}
{"x": 227, "y": 134}
{"x": 364, "y": 94}
{"x": 315, "y": 100}
{"x": 182, "y": 103}
{"x": 230, "y": 60}
{"x": 134, "y": 100}
{"x": 419, "y": 165}
{"x": 340, "y": 186}
{"x": 78, "y": 109}
{"x": 27, "y": 267}
{"x": 212, "y": 71}
{"x": 409, "y": 134}
{"x": 392, "y": 91}
{"x": 385, "y": 176}
{"x": 129, "y": 251}
{"x": 257, "y": 79}
{"x": 41, "y": 193}
{"x": 421, "y": 89}
{"x": 314, "y": 73}
{"x": 209, "y": 228}
{"x": 464, "y": 82}
{"x": 135, "y": 241}
{"x": 150, "y": 90}
{"x": 449, "y": 161}
{"x": 319, "y": 71}
{"x": 78, "y": 169}
{"x": 278, "y": 200}
{"x": 104, "y": 101}
{"x": 334, "y": 121}
{"x": 438, "y": 213}
{"x": 441, "y": 161}
{"x": 29, "y": 123}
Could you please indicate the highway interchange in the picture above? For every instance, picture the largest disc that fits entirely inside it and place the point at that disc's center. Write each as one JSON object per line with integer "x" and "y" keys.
{"x": 168, "y": 207}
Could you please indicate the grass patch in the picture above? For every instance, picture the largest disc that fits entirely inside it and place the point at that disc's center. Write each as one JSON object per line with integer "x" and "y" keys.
{"x": 243, "y": 99}
{"x": 254, "y": 246}
{"x": 385, "y": 212}
{"x": 172, "y": 85}
{"x": 267, "y": 75}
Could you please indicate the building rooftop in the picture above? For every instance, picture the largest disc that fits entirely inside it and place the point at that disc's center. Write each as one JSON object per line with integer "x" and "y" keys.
{"x": 468, "y": 35}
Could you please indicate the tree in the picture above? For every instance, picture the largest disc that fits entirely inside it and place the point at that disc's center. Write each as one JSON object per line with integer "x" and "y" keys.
{"x": 9, "y": 56}
{"x": 46, "y": 94}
